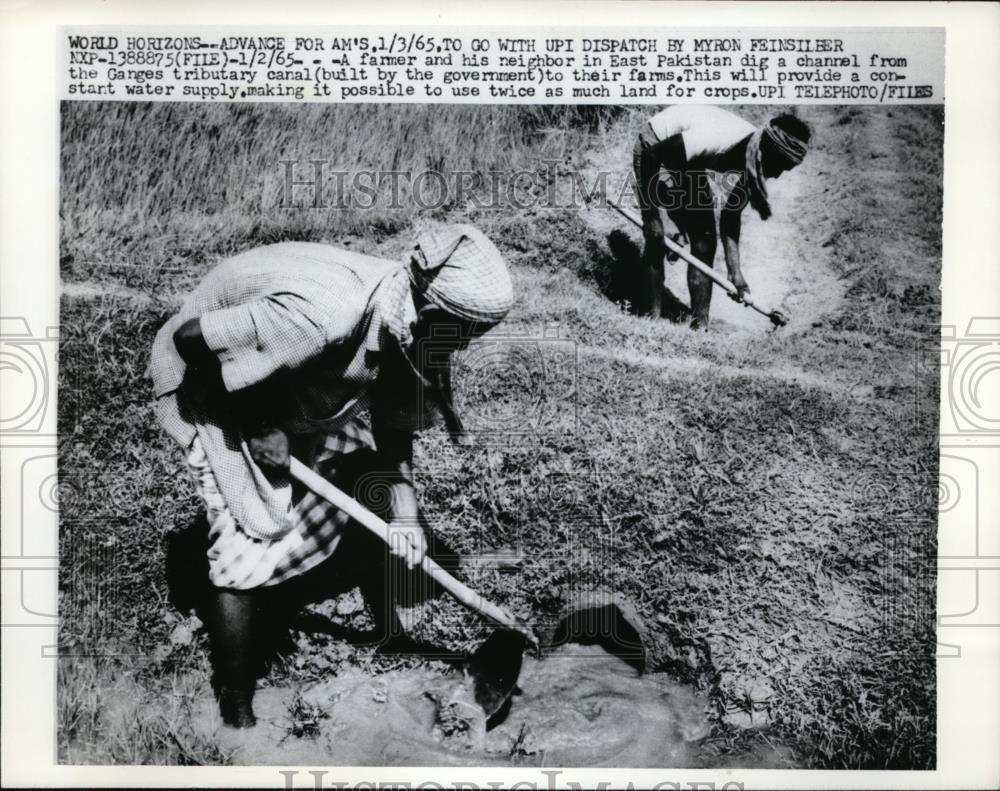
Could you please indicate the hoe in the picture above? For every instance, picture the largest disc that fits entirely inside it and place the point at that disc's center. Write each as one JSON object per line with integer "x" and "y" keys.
{"x": 778, "y": 319}
{"x": 494, "y": 667}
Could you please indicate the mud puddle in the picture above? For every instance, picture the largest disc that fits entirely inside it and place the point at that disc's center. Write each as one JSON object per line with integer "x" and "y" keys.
{"x": 578, "y": 707}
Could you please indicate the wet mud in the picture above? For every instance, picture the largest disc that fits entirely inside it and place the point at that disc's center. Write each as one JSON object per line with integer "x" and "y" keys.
{"x": 579, "y": 706}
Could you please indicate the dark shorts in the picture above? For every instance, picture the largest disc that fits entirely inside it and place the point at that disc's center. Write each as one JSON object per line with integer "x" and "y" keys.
{"x": 687, "y": 197}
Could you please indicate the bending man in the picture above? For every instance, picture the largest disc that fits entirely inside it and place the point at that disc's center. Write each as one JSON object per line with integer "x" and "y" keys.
{"x": 672, "y": 157}
{"x": 277, "y": 351}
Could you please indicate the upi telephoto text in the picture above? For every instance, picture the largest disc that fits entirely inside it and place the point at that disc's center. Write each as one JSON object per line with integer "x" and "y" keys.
{"x": 411, "y": 66}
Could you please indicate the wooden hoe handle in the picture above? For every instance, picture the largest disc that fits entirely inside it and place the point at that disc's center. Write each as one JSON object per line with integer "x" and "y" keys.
{"x": 776, "y": 317}
{"x": 462, "y": 592}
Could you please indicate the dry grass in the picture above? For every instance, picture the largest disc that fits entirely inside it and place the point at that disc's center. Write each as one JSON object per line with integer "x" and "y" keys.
{"x": 108, "y": 716}
{"x": 761, "y": 498}
{"x": 182, "y": 184}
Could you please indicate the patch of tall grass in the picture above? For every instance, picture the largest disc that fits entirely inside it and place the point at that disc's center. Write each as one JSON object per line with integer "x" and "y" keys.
{"x": 145, "y": 183}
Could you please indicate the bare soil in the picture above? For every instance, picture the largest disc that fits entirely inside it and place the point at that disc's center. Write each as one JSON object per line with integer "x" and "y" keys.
{"x": 577, "y": 707}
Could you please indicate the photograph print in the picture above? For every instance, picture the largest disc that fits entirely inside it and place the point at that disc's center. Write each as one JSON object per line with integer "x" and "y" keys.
{"x": 496, "y": 435}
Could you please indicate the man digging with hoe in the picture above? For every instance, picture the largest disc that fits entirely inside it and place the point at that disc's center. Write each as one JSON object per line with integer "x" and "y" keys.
{"x": 274, "y": 355}
{"x": 671, "y": 158}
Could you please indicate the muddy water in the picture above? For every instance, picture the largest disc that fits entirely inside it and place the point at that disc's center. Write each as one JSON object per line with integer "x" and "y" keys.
{"x": 583, "y": 707}
{"x": 577, "y": 707}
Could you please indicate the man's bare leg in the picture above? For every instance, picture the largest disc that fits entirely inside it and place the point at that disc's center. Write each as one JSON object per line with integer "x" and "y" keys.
{"x": 379, "y": 589}
{"x": 652, "y": 269}
{"x": 699, "y": 222}
{"x": 699, "y": 285}
{"x": 234, "y": 635}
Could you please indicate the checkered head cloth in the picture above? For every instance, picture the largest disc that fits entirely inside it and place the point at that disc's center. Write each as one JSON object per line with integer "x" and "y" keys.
{"x": 461, "y": 271}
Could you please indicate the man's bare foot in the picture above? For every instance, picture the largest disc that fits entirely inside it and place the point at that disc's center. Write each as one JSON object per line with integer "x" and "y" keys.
{"x": 699, "y": 323}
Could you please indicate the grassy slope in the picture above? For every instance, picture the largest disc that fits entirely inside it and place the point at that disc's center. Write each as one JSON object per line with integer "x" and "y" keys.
{"x": 760, "y": 497}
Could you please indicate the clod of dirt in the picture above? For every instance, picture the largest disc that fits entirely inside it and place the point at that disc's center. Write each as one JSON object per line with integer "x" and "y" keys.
{"x": 747, "y": 720}
{"x": 459, "y": 722}
{"x": 183, "y": 633}
{"x": 525, "y": 745}
{"x": 349, "y": 603}
{"x": 758, "y": 692}
{"x": 306, "y": 717}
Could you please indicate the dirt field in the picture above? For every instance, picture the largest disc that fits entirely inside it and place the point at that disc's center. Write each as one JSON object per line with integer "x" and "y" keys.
{"x": 765, "y": 500}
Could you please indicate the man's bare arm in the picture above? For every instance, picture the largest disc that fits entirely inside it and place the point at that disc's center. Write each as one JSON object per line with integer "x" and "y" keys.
{"x": 668, "y": 155}
{"x": 395, "y": 452}
{"x": 730, "y": 222}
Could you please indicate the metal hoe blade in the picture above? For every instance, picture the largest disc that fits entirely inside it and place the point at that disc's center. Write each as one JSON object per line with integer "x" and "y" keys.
{"x": 494, "y": 668}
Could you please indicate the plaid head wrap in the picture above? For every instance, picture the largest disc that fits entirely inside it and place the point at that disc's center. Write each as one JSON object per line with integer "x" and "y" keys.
{"x": 789, "y": 148}
{"x": 461, "y": 271}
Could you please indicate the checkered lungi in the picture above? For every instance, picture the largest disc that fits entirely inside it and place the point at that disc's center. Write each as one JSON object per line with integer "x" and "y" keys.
{"x": 236, "y": 560}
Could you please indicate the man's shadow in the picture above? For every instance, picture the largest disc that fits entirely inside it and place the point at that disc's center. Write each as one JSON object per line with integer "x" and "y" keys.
{"x": 284, "y": 605}
{"x": 626, "y": 281}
